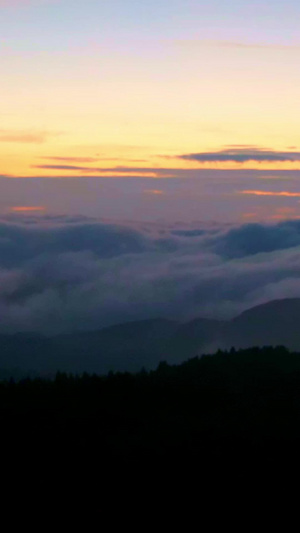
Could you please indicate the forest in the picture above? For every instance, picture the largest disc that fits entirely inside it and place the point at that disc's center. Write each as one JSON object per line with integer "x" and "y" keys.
{"x": 237, "y": 411}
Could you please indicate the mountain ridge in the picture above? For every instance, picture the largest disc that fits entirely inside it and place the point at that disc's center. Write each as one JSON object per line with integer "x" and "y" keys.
{"x": 132, "y": 345}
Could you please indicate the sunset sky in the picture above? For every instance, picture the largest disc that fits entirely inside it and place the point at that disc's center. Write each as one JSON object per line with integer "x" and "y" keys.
{"x": 160, "y": 88}
{"x": 150, "y": 89}
{"x": 88, "y": 86}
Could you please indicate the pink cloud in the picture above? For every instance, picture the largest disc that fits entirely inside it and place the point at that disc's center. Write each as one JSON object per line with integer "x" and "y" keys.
{"x": 271, "y": 193}
{"x": 27, "y": 208}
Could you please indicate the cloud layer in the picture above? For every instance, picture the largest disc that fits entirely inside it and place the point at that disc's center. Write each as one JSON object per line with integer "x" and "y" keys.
{"x": 63, "y": 274}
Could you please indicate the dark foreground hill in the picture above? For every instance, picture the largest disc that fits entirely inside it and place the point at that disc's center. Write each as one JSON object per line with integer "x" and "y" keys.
{"x": 232, "y": 412}
{"x": 133, "y": 345}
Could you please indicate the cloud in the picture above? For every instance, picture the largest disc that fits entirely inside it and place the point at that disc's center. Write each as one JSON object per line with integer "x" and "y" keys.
{"x": 251, "y": 239}
{"x": 66, "y": 167}
{"x": 104, "y": 240}
{"x": 243, "y": 154}
{"x": 71, "y": 159}
{"x": 30, "y": 137}
{"x": 237, "y": 44}
{"x": 260, "y": 46}
{"x": 154, "y": 191}
{"x": 27, "y": 208}
{"x": 69, "y": 273}
{"x": 272, "y": 193}
{"x": 126, "y": 170}
{"x": 90, "y": 159}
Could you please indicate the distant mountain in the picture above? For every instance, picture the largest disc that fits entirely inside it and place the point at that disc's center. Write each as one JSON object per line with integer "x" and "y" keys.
{"x": 274, "y": 323}
{"x": 133, "y": 345}
{"x": 123, "y": 347}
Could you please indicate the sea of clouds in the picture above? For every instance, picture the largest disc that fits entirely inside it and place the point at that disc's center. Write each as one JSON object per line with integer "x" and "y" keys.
{"x": 61, "y": 274}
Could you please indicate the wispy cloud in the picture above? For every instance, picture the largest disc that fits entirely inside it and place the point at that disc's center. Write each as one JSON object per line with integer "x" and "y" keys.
{"x": 264, "y": 46}
{"x": 23, "y": 136}
{"x": 243, "y": 154}
{"x": 271, "y": 193}
{"x": 237, "y": 44}
{"x": 154, "y": 191}
{"x": 66, "y": 167}
{"x": 71, "y": 159}
{"x": 27, "y": 208}
{"x": 90, "y": 159}
{"x": 156, "y": 172}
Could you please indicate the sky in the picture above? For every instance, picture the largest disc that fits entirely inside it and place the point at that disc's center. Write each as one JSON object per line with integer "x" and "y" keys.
{"x": 148, "y": 117}
{"x": 91, "y": 85}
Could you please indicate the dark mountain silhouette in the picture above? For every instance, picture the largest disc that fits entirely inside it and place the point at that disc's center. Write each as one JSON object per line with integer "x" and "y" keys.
{"x": 274, "y": 323}
{"x": 133, "y": 345}
{"x": 231, "y": 416}
{"x": 123, "y": 347}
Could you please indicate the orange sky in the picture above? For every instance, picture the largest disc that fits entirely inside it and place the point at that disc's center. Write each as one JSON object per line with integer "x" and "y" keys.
{"x": 100, "y": 89}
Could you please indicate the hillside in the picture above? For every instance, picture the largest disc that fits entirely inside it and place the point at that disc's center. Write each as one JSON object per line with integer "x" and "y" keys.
{"x": 133, "y": 345}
